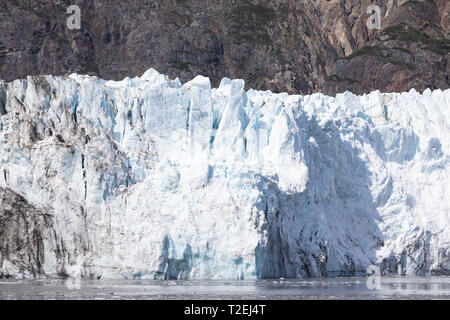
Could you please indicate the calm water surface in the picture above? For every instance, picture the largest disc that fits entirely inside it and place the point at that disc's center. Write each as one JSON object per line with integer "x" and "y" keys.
{"x": 332, "y": 288}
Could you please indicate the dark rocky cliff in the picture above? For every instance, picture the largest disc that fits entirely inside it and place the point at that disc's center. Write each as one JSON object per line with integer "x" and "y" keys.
{"x": 296, "y": 46}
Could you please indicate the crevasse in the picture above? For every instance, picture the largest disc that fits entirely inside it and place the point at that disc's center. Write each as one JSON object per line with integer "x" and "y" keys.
{"x": 149, "y": 178}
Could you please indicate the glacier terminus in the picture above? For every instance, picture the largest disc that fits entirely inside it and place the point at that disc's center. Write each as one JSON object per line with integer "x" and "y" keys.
{"x": 148, "y": 178}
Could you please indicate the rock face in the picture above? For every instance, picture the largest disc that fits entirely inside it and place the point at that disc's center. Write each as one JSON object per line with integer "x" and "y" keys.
{"x": 149, "y": 178}
{"x": 294, "y": 46}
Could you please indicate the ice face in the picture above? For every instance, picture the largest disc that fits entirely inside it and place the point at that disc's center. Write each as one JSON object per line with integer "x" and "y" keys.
{"x": 149, "y": 178}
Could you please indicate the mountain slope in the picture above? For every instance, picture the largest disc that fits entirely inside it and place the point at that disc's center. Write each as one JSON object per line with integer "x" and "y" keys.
{"x": 294, "y": 46}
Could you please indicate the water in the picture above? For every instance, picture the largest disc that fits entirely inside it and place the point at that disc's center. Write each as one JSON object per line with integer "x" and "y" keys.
{"x": 331, "y": 288}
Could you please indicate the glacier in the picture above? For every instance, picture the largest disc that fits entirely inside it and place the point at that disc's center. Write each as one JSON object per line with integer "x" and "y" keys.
{"x": 148, "y": 178}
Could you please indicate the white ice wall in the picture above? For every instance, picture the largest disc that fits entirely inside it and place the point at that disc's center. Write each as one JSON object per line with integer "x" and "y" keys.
{"x": 147, "y": 177}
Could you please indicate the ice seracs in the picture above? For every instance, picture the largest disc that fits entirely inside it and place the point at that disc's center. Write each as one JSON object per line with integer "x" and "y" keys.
{"x": 151, "y": 178}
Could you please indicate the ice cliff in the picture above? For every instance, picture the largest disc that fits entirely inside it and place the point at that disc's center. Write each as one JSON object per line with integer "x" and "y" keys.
{"x": 149, "y": 178}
